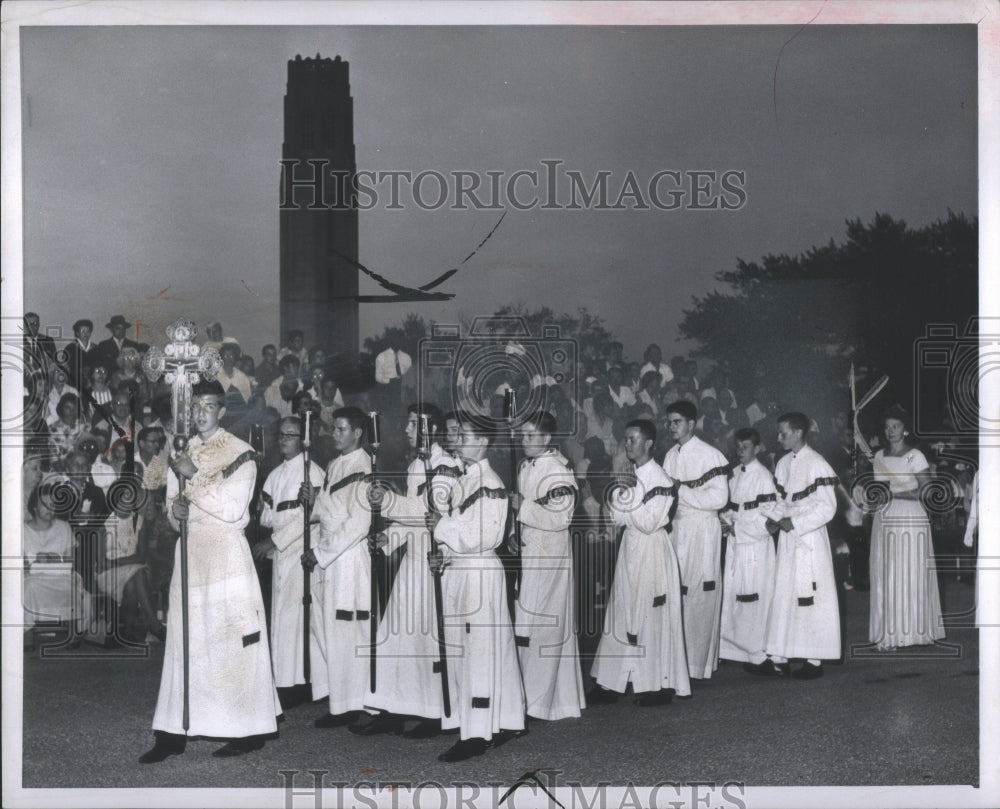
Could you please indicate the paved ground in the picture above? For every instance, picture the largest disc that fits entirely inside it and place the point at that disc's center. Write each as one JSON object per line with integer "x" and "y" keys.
{"x": 877, "y": 720}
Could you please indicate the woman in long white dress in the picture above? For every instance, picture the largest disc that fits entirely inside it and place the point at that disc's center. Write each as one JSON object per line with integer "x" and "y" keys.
{"x": 905, "y": 604}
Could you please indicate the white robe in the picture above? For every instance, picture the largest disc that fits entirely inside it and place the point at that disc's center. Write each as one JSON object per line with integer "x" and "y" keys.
{"x": 409, "y": 681}
{"x": 544, "y": 630}
{"x": 748, "y": 581}
{"x": 643, "y": 640}
{"x": 804, "y": 621}
{"x": 231, "y": 690}
{"x": 342, "y": 602}
{"x": 699, "y": 472}
{"x": 483, "y": 672}
{"x": 283, "y": 515}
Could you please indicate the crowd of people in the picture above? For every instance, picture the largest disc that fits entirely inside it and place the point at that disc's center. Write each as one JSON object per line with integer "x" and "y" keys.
{"x": 455, "y": 554}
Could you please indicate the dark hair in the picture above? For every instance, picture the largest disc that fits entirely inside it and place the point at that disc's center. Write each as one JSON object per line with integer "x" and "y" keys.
{"x": 432, "y": 411}
{"x": 683, "y": 408}
{"x": 295, "y": 333}
{"x": 893, "y": 411}
{"x": 645, "y": 427}
{"x": 475, "y": 425}
{"x": 209, "y": 387}
{"x": 267, "y": 346}
{"x": 452, "y": 415}
{"x": 747, "y": 434}
{"x": 69, "y": 398}
{"x": 353, "y": 415}
{"x": 797, "y": 421}
{"x": 649, "y": 376}
{"x": 145, "y": 433}
{"x": 289, "y": 360}
{"x": 543, "y": 421}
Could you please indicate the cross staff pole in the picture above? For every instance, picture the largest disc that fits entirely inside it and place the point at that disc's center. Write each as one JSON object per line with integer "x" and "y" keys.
{"x": 182, "y": 365}
{"x": 510, "y": 415}
{"x": 424, "y": 445}
{"x": 373, "y": 615}
{"x": 307, "y": 546}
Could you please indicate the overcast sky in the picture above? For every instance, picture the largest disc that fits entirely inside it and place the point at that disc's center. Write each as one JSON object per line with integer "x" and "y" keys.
{"x": 151, "y": 160}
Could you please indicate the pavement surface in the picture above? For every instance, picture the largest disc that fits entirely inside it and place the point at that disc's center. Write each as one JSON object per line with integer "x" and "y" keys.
{"x": 878, "y": 719}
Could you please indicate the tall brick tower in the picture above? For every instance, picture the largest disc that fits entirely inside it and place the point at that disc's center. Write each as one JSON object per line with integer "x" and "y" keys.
{"x": 317, "y": 220}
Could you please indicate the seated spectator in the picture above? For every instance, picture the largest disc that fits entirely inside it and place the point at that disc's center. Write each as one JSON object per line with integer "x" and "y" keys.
{"x": 267, "y": 370}
{"x": 246, "y": 364}
{"x": 213, "y": 336}
{"x": 621, "y": 393}
{"x": 282, "y": 390}
{"x": 653, "y": 357}
{"x": 600, "y": 421}
{"x": 295, "y": 347}
{"x": 53, "y": 590}
{"x": 647, "y": 396}
{"x": 234, "y": 382}
{"x": 123, "y": 574}
{"x": 99, "y": 394}
{"x": 58, "y": 387}
{"x": 65, "y": 430}
{"x": 329, "y": 401}
{"x": 31, "y": 476}
{"x": 130, "y": 372}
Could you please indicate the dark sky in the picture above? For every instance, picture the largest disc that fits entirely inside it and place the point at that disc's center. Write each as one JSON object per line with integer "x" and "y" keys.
{"x": 151, "y": 159}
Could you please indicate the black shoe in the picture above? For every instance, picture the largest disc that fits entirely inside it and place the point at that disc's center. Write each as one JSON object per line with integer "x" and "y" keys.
{"x": 504, "y": 736}
{"x": 336, "y": 720}
{"x": 383, "y": 723}
{"x": 238, "y": 747}
{"x": 768, "y": 668}
{"x": 809, "y": 671}
{"x": 167, "y": 744}
{"x": 464, "y": 750}
{"x": 601, "y": 696}
{"x": 653, "y": 698}
{"x": 424, "y": 729}
{"x": 293, "y": 696}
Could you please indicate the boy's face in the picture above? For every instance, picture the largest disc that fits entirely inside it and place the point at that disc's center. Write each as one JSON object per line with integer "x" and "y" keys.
{"x": 746, "y": 451}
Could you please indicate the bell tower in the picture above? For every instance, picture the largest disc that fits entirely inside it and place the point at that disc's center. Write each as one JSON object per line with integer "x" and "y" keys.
{"x": 317, "y": 219}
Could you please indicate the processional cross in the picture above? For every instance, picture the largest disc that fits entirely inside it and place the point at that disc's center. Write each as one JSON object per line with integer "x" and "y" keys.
{"x": 181, "y": 364}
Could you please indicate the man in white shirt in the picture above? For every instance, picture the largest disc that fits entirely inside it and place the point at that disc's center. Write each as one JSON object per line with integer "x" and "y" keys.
{"x": 653, "y": 357}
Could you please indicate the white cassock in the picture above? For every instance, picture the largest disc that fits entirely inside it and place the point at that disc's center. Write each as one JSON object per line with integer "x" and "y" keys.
{"x": 699, "y": 472}
{"x": 342, "y": 602}
{"x": 483, "y": 671}
{"x": 231, "y": 690}
{"x": 544, "y": 628}
{"x": 804, "y": 621}
{"x": 283, "y": 515}
{"x": 748, "y": 580}
{"x": 643, "y": 640}
{"x": 409, "y": 679}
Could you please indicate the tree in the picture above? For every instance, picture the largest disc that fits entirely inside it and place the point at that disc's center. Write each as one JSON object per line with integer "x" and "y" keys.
{"x": 796, "y": 323}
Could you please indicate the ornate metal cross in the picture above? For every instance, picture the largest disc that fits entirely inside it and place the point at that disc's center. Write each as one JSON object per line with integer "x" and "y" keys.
{"x": 181, "y": 363}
